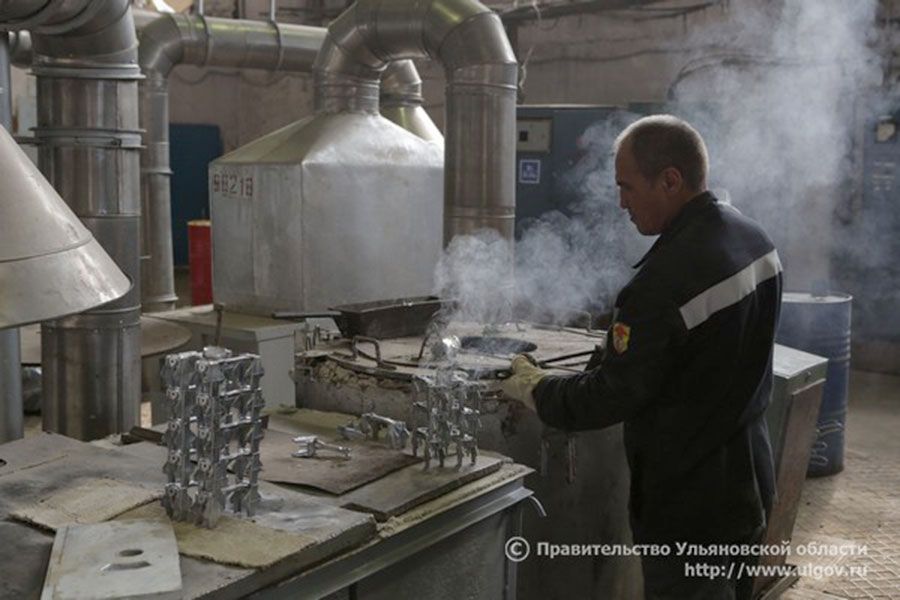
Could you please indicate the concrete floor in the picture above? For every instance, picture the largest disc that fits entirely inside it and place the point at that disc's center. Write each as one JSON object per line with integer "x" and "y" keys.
{"x": 860, "y": 505}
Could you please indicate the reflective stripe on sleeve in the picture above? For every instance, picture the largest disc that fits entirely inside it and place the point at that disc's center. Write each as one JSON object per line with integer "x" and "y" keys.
{"x": 730, "y": 291}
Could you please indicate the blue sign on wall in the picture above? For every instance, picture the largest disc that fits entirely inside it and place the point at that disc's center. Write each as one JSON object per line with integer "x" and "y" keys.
{"x": 529, "y": 171}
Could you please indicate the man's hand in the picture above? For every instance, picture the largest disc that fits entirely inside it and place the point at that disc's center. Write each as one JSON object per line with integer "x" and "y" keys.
{"x": 520, "y": 385}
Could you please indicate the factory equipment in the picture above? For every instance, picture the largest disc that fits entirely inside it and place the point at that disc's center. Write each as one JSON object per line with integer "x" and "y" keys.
{"x": 551, "y": 141}
{"x": 582, "y": 478}
{"x": 88, "y": 140}
{"x": 583, "y": 485}
{"x": 46, "y": 249}
{"x": 337, "y": 208}
{"x": 175, "y": 39}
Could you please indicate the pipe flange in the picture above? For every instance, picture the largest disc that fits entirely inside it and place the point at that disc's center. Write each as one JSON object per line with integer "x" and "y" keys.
{"x": 122, "y": 72}
{"x": 62, "y": 136}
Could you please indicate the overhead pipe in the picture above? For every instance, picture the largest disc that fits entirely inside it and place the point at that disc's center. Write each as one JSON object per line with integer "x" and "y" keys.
{"x": 175, "y": 39}
{"x": 85, "y": 61}
{"x": 481, "y": 71}
{"x": 20, "y": 49}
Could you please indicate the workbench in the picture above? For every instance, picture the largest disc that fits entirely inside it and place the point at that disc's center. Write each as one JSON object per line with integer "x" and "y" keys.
{"x": 446, "y": 547}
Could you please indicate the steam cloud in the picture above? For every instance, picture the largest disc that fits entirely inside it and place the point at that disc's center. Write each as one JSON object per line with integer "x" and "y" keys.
{"x": 776, "y": 107}
{"x": 564, "y": 264}
{"x": 779, "y": 119}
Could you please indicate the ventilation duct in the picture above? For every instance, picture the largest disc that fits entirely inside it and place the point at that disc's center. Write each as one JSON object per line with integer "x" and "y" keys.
{"x": 85, "y": 61}
{"x": 177, "y": 39}
{"x": 481, "y": 71}
{"x": 50, "y": 264}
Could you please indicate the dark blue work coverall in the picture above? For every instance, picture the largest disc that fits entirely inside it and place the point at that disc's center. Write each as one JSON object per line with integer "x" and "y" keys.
{"x": 688, "y": 369}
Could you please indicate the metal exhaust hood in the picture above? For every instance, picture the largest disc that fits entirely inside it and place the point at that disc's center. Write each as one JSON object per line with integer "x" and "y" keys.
{"x": 50, "y": 264}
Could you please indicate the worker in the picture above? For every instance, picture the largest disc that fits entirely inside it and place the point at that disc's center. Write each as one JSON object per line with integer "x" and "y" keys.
{"x": 687, "y": 367}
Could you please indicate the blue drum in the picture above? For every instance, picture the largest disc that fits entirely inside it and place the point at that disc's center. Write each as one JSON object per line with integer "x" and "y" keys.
{"x": 821, "y": 325}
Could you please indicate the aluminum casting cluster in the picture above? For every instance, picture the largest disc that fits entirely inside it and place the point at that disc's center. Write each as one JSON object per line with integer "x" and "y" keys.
{"x": 214, "y": 426}
{"x": 448, "y": 418}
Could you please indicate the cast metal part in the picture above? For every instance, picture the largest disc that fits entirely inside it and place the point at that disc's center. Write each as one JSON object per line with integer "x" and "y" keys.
{"x": 450, "y": 417}
{"x": 214, "y": 427}
{"x": 370, "y": 426}
{"x": 311, "y": 445}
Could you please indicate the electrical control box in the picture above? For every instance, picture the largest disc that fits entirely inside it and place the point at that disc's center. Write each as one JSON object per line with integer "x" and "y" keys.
{"x": 553, "y": 141}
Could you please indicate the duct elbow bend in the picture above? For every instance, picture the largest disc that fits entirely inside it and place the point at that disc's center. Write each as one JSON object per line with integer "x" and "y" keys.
{"x": 101, "y": 35}
{"x": 401, "y": 85}
{"x": 464, "y": 35}
{"x": 477, "y": 52}
{"x": 161, "y": 45}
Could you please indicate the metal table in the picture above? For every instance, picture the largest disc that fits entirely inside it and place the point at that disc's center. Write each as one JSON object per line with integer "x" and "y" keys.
{"x": 435, "y": 550}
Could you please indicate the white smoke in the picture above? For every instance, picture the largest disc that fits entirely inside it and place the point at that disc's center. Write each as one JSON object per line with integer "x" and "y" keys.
{"x": 777, "y": 110}
{"x": 564, "y": 264}
{"x": 776, "y": 107}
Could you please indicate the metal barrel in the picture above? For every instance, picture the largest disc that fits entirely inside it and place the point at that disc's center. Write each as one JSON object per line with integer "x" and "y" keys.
{"x": 820, "y": 324}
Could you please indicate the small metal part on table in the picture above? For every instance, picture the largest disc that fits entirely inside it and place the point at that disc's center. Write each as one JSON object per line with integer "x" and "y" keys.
{"x": 370, "y": 425}
{"x": 214, "y": 426}
{"x": 311, "y": 445}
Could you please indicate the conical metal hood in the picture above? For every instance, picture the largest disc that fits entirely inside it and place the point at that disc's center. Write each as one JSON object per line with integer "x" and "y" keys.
{"x": 50, "y": 264}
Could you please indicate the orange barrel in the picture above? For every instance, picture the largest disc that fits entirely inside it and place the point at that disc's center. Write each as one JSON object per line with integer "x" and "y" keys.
{"x": 200, "y": 261}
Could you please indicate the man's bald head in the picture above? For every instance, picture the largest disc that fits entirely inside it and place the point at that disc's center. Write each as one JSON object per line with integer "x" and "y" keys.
{"x": 660, "y": 142}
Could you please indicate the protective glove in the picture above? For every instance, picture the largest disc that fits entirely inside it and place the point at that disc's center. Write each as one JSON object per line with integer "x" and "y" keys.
{"x": 520, "y": 385}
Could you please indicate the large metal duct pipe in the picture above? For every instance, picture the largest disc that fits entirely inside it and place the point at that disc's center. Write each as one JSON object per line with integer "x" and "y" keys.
{"x": 469, "y": 41}
{"x": 184, "y": 39}
{"x": 85, "y": 60}
{"x": 192, "y": 39}
{"x": 12, "y": 424}
{"x": 20, "y": 48}
{"x": 401, "y": 101}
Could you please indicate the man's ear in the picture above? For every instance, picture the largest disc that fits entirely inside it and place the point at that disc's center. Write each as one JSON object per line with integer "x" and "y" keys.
{"x": 673, "y": 182}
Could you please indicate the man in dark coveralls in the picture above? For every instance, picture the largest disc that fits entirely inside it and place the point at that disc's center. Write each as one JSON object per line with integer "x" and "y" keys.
{"x": 687, "y": 366}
